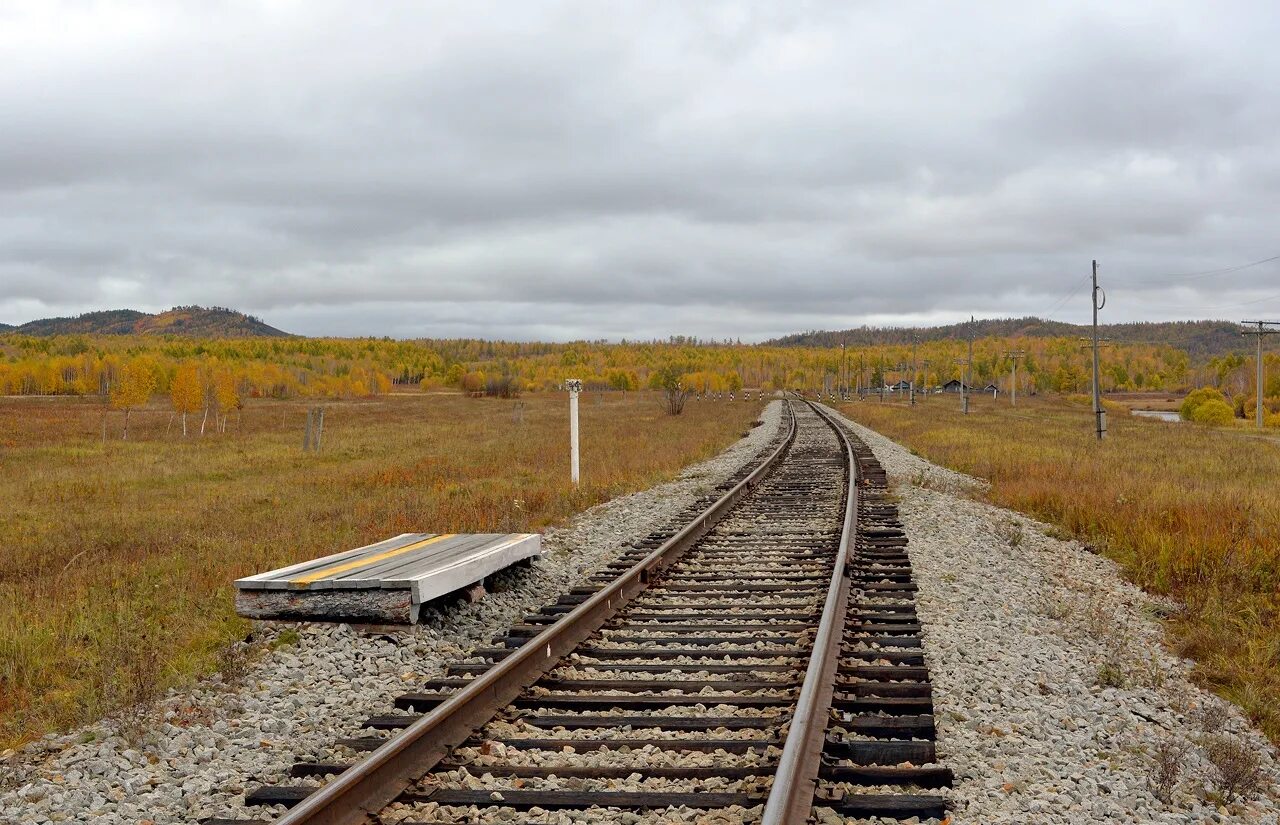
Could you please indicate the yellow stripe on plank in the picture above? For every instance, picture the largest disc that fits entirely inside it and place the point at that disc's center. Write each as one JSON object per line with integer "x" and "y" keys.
{"x": 326, "y": 572}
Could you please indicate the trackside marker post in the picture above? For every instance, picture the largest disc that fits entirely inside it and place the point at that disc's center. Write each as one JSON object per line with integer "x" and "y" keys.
{"x": 1099, "y": 414}
{"x": 574, "y": 386}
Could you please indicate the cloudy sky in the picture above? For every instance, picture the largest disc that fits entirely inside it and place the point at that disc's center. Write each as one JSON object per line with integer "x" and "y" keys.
{"x": 554, "y": 170}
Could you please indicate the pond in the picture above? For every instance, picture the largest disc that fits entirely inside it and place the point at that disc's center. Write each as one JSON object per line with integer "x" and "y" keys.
{"x": 1161, "y": 415}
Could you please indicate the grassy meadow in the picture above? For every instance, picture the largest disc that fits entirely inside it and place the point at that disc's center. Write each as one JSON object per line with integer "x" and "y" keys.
{"x": 118, "y": 555}
{"x": 1189, "y": 511}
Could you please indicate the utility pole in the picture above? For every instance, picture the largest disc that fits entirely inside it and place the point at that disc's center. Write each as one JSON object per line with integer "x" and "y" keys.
{"x": 1013, "y": 378}
{"x": 967, "y": 376}
{"x": 925, "y": 363}
{"x": 973, "y": 330}
{"x": 1099, "y": 414}
{"x": 844, "y": 367}
{"x": 1261, "y": 330}
{"x": 914, "y": 341}
{"x": 861, "y": 369}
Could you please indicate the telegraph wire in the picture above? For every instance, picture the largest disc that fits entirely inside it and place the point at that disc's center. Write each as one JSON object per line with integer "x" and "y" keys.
{"x": 1186, "y": 276}
{"x": 1066, "y": 299}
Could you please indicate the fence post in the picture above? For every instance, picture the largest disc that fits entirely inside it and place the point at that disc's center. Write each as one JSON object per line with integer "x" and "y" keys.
{"x": 315, "y": 446}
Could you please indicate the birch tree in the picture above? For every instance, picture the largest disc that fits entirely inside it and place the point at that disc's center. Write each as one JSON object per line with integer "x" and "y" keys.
{"x": 225, "y": 395}
{"x": 136, "y": 383}
{"x": 187, "y": 392}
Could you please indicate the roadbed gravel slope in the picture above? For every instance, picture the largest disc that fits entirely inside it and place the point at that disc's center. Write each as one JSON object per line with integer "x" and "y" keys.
{"x": 217, "y": 741}
{"x": 1054, "y": 694}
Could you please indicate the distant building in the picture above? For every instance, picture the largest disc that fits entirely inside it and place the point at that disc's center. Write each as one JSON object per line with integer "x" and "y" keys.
{"x": 901, "y": 386}
{"x": 955, "y": 385}
{"x": 991, "y": 388}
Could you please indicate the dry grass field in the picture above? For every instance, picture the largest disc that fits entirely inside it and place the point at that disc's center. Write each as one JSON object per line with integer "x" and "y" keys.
{"x": 1188, "y": 511}
{"x": 1168, "y": 401}
{"x": 117, "y": 557}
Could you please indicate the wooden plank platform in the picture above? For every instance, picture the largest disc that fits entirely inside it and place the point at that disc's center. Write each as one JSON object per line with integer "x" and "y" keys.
{"x": 387, "y": 581}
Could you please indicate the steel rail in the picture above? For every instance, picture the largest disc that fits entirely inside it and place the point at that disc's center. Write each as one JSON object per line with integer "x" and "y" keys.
{"x": 790, "y": 800}
{"x": 371, "y": 785}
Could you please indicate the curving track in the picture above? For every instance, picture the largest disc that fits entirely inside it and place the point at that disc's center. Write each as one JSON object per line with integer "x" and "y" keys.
{"x": 762, "y": 664}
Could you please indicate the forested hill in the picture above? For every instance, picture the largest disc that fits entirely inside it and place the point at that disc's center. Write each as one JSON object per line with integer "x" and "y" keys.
{"x": 1199, "y": 339}
{"x": 6, "y": 327}
{"x": 189, "y": 322}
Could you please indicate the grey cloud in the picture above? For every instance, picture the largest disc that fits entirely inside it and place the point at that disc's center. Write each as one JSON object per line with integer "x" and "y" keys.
{"x": 580, "y": 169}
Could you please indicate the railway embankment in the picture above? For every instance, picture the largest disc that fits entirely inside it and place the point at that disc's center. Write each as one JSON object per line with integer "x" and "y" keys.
{"x": 1055, "y": 698}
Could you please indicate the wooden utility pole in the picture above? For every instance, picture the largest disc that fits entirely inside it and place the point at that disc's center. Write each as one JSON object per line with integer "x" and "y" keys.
{"x": 844, "y": 368}
{"x": 1013, "y": 378}
{"x": 966, "y": 377}
{"x": 1099, "y": 414}
{"x": 914, "y": 376}
{"x": 1261, "y": 329}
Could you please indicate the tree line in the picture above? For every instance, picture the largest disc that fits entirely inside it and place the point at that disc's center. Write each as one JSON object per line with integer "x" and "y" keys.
{"x": 356, "y": 367}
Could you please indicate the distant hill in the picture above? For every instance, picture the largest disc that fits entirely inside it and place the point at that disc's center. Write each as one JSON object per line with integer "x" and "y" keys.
{"x": 6, "y": 327}
{"x": 1200, "y": 339}
{"x": 189, "y": 322}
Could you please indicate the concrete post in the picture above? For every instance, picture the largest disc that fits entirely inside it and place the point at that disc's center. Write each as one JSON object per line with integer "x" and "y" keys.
{"x": 574, "y": 386}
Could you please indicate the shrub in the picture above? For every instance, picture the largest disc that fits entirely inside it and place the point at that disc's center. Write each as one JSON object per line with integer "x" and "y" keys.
{"x": 1110, "y": 675}
{"x": 1011, "y": 531}
{"x": 1168, "y": 760}
{"x": 1196, "y": 398}
{"x": 1237, "y": 770}
{"x": 506, "y": 386}
{"x": 1213, "y": 412}
{"x": 472, "y": 382}
{"x": 1212, "y": 717}
{"x": 670, "y": 379}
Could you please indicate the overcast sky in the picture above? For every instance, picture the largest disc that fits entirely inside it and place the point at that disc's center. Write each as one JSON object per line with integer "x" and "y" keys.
{"x": 607, "y": 169}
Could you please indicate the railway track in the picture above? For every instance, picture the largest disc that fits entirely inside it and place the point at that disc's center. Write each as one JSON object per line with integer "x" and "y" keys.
{"x": 761, "y": 664}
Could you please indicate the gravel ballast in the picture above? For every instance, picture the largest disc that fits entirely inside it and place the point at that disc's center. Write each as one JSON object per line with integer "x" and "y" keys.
{"x": 317, "y": 684}
{"x": 1056, "y": 700}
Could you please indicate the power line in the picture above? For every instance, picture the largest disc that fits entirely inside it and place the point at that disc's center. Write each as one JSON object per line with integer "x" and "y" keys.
{"x": 1217, "y": 306}
{"x": 1174, "y": 276}
{"x": 1065, "y": 299}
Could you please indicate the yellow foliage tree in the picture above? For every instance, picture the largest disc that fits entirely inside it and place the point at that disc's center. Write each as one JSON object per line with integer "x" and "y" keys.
{"x": 1199, "y": 398}
{"x": 187, "y": 392}
{"x": 137, "y": 383}
{"x": 1215, "y": 412}
{"x": 226, "y": 396}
